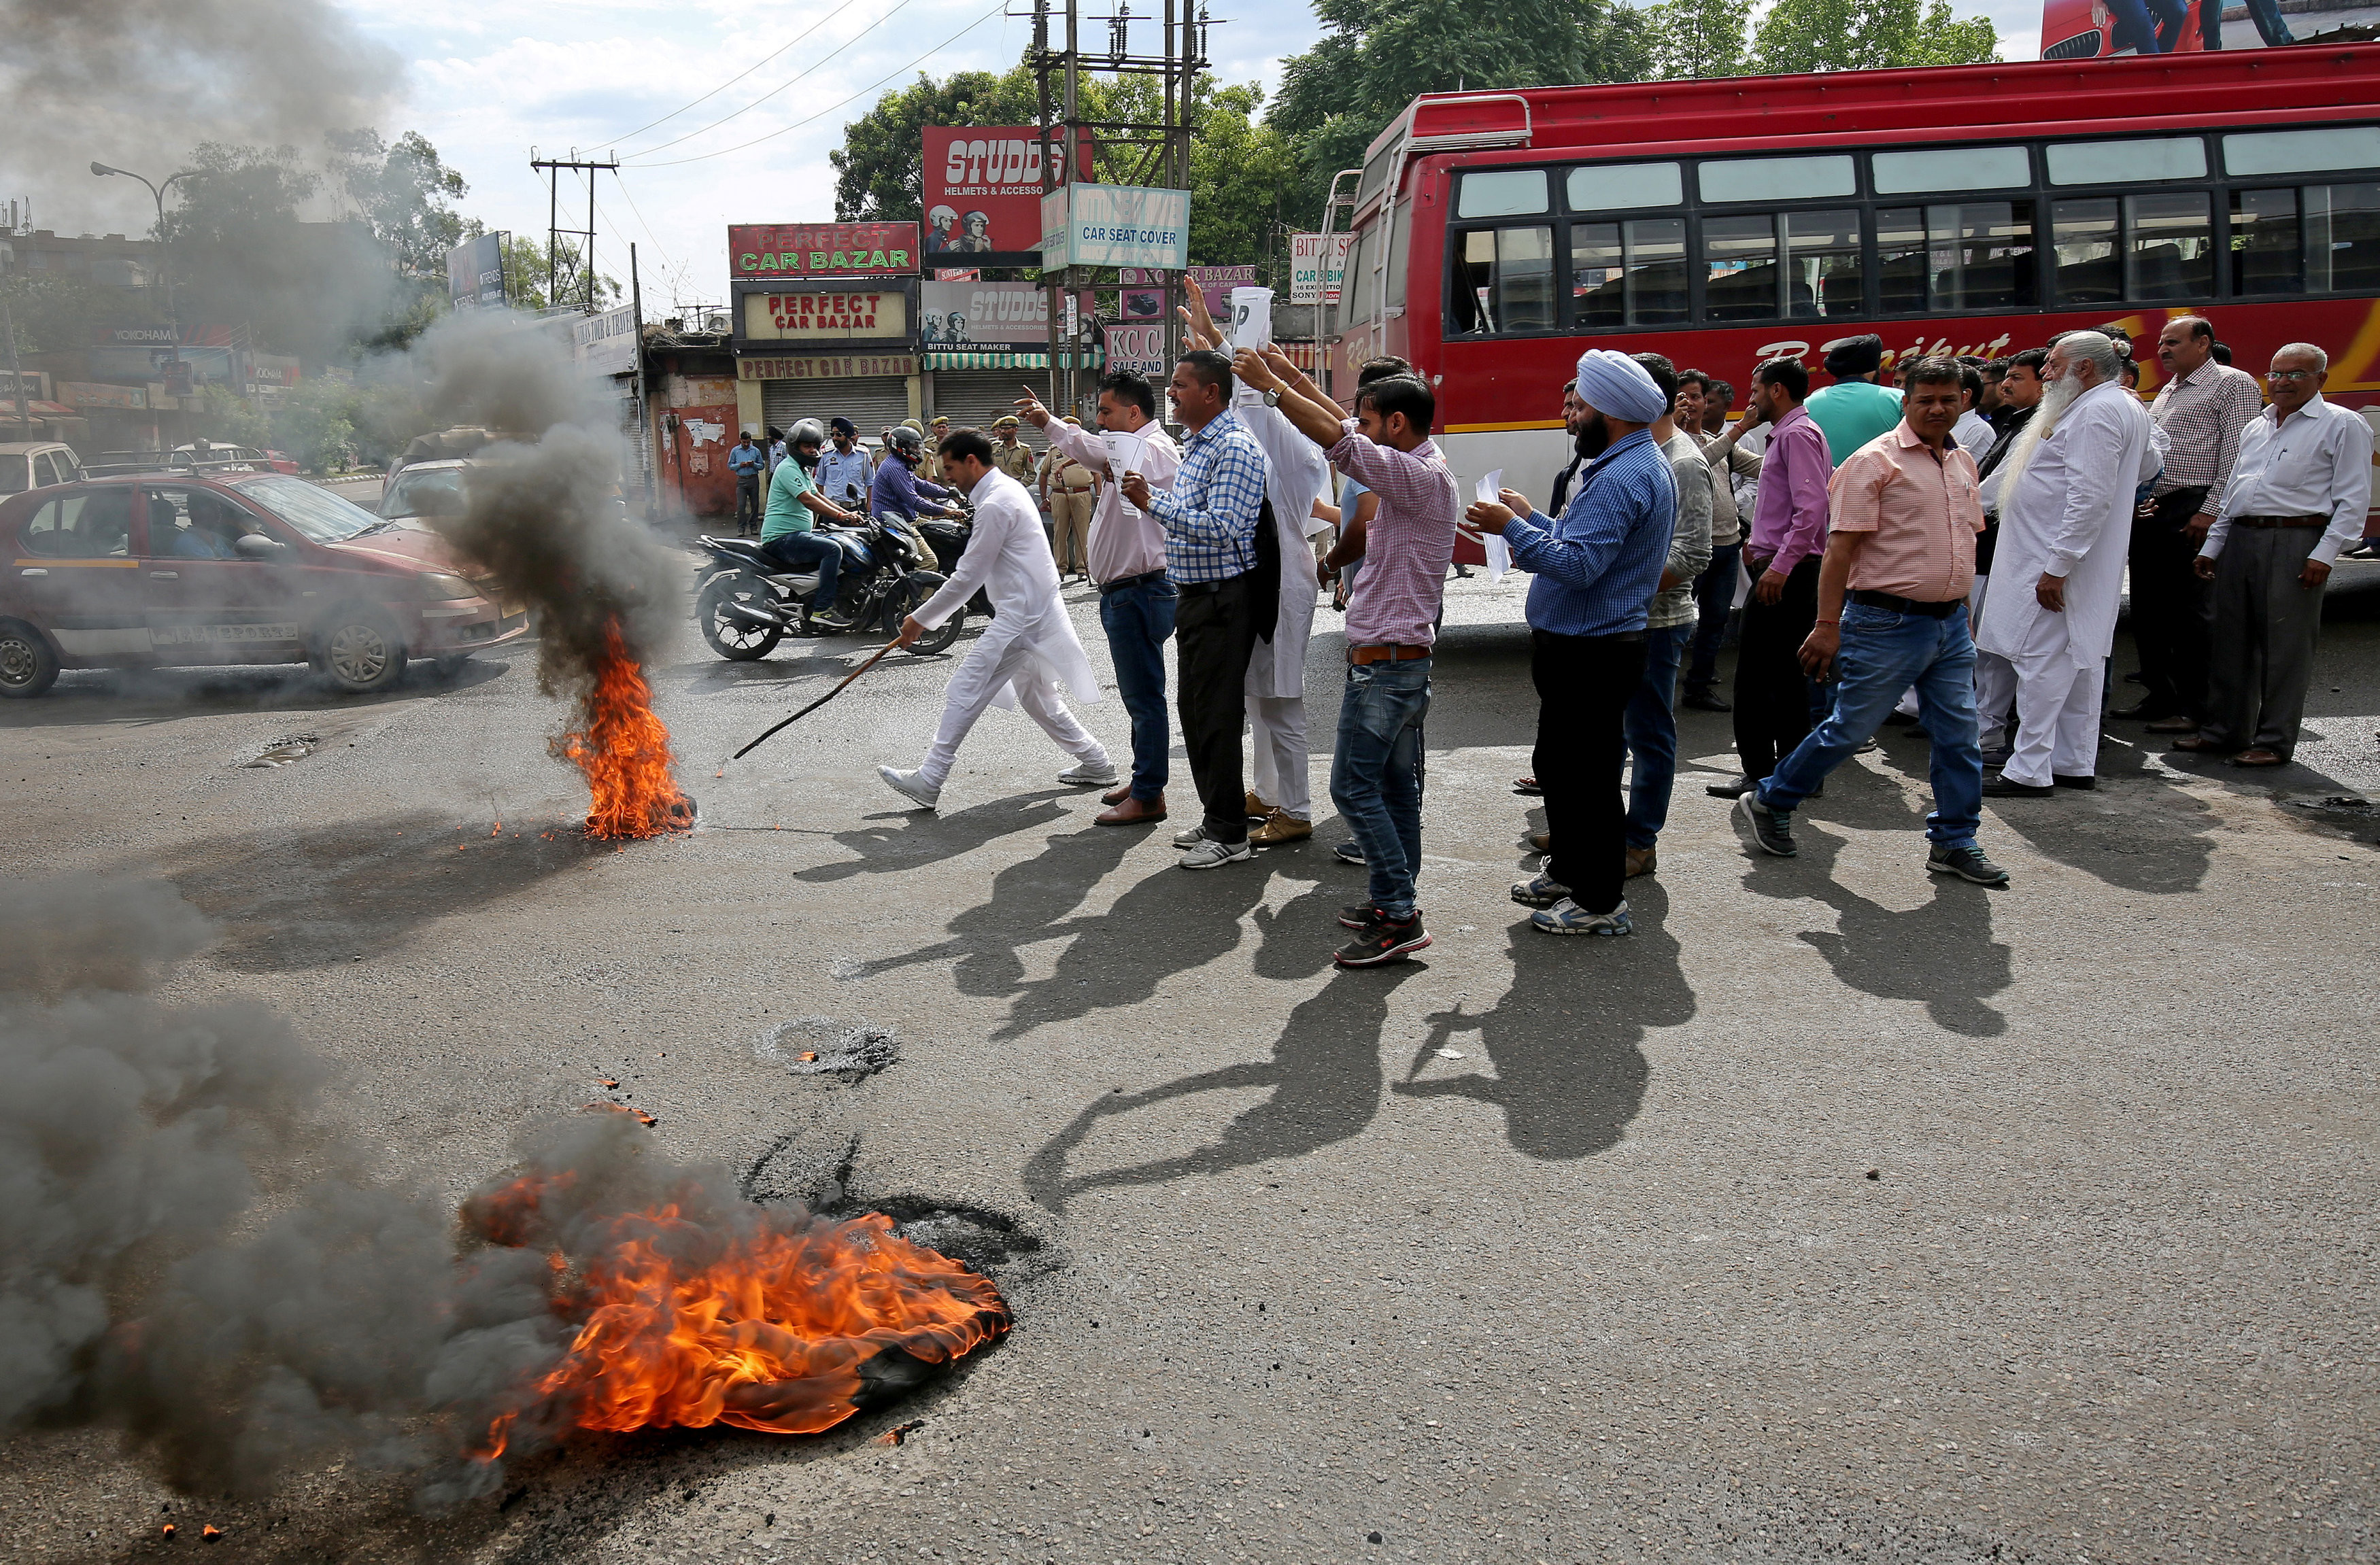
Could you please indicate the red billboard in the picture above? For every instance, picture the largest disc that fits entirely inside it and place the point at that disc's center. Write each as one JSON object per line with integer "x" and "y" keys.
{"x": 983, "y": 187}
{"x": 770, "y": 252}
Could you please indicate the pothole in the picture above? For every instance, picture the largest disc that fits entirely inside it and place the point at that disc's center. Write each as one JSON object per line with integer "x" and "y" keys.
{"x": 826, "y": 1045}
{"x": 288, "y": 748}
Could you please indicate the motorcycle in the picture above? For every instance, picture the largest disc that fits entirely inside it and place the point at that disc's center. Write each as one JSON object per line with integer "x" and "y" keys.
{"x": 745, "y": 602}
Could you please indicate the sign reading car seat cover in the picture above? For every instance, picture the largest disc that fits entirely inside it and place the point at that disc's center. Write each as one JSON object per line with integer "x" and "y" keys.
{"x": 1116, "y": 226}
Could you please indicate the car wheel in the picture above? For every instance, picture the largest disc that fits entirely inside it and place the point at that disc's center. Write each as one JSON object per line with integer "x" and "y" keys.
{"x": 27, "y": 665}
{"x": 360, "y": 651}
{"x": 730, "y": 637}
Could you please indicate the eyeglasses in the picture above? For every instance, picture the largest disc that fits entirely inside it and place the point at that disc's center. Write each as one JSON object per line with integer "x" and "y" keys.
{"x": 2293, "y": 374}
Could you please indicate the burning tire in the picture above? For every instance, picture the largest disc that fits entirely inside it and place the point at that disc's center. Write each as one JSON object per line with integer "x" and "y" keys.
{"x": 359, "y": 649}
{"x": 730, "y": 636}
{"x": 920, "y": 587}
{"x": 27, "y": 663}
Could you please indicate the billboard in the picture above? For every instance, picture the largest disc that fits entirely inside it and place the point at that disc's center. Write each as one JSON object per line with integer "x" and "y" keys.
{"x": 1313, "y": 278}
{"x": 826, "y": 315}
{"x": 1138, "y": 348}
{"x": 983, "y": 315}
{"x": 983, "y": 187}
{"x": 1116, "y": 226}
{"x": 606, "y": 344}
{"x": 765, "y": 251}
{"x": 475, "y": 272}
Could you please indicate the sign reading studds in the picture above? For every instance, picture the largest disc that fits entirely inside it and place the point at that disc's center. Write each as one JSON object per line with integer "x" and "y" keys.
{"x": 983, "y": 188}
{"x": 763, "y": 251}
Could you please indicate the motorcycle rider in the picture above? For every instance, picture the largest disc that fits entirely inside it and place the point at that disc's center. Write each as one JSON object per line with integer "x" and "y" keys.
{"x": 898, "y": 495}
{"x": 786, "y": 534}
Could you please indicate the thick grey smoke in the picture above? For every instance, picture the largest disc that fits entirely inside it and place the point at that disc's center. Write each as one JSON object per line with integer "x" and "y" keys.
{"x": 542, "y": 509}
{"x": 137, "y": 83}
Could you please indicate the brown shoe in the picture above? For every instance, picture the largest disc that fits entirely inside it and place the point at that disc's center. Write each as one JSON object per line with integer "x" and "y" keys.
{"x": 2259, "y": 757}
{"x": 1132, "y": 812}
{"x": 1542, "y": 841}
{"x": 1256, "y": 809}
{"x": 1116, "y": 795}
{"x": 1641, "y": 861}
{"x": 2179, "y": 724}
{"x": 1280, "y": 827}
{"x": 2194, "y": 742}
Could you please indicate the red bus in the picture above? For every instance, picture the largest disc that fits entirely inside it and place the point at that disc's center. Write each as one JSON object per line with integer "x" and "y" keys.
{"x": 1960, "y": 209}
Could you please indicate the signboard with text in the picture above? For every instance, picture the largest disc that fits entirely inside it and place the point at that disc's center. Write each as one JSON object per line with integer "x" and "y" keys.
{"x": 976, "y": 315}
{"x": 606, "y": 344}
{"x": 1315, "y": 278}
{"x": 768, "y": 250}
{"x": 475, "y": 272}
{"x": 839, "y": 367}
{"x": 85, "y": 393}
{"x": 850, "y": 314}
{"x": 1216, "y": 282}
{"x": 1117, "y": 225}
{"x": 1140, "y": 349}
{"x": 983, "y": 187}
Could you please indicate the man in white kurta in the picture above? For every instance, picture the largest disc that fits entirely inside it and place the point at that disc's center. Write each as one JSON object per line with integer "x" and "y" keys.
{"x": 1296, "y": 475}
{"x": 1028, "y": 650}
{"x": 2066, "y": 521}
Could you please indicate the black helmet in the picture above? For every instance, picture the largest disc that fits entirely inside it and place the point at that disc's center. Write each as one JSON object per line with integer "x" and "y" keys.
{"x": 906, "y": 442}
{"x": 809, "y": 432}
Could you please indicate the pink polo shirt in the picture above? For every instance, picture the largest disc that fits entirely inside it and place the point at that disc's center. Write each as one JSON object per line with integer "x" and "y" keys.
{"x": 1921, "y": 511}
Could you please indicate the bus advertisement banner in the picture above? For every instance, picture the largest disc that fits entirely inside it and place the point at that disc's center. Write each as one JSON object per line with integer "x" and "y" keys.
{"x": 1313, "y": 278}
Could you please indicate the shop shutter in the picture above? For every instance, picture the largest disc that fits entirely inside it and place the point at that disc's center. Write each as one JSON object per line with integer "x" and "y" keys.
{"x": 869, "y": 402}
{"x": 972, "y": 398}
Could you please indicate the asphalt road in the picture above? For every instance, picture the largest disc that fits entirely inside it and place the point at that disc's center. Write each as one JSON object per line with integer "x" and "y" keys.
{"x": 1839, "y": 1211}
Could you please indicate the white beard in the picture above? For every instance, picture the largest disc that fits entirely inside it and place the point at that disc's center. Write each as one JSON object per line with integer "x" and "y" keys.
{"x": 2056, "y": 398}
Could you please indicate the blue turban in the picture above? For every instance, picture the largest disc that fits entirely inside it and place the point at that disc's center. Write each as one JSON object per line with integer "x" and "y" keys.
{"x": 1617, "y": 386}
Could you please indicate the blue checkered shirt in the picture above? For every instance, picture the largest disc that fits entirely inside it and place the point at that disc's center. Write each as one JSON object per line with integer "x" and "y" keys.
{"x": 1209, "y": 514}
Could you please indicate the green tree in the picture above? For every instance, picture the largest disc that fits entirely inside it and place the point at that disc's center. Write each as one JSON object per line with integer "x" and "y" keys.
{"x": 405, "y": 193}
{"x": 1808, "y": 35}
{"x": 1378, "y": 56}
{"x": 879, "y": 169}
{"x": 1243, "y": 177}
{"x": 1699, "y": 38}
{"x": 525, "y": 274}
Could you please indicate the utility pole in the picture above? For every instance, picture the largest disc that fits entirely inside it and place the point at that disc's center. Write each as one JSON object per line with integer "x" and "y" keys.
{"x": 8, "y": 328}
{"x": 1151, "y": 151}
{"x": 551, "y": 168}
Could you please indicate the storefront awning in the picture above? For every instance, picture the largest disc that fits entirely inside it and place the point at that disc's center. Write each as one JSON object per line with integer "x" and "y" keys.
{"x": 1088, "y": 359}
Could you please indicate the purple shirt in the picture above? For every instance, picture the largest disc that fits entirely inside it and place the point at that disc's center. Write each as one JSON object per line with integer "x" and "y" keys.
{"x": 1790, "y": 524}
{"x": 1408, "y": 544}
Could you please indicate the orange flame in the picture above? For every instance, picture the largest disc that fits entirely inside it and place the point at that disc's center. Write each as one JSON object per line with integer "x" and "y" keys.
{"x": 773, "y": 1329}
{"x": 623, "y": 749}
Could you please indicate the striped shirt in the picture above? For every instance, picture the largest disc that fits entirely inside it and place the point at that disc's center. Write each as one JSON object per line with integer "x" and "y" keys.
{"x": 2203, "y": 413}
{"x": 1407, "y": 544}
{"x": 1209, "y": 514}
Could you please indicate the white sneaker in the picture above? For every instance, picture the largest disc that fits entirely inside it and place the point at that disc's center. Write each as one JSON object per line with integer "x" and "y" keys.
{"x": 906, "y": 784}
{"x": 1212, "y": 854}
{"x": 1091, "y": 774}
{"x": 1190, "y": 836}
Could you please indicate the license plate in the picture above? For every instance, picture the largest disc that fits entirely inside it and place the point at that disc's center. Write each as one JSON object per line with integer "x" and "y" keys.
{"x": 212, "y": 634}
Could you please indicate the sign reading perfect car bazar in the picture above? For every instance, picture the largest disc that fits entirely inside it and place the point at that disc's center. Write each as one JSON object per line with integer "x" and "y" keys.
{"x": 768, "y": 250}
{"x": 853, "y": 314}
{"x": 851, "y": 368}
{"x": 1116, "y": 226}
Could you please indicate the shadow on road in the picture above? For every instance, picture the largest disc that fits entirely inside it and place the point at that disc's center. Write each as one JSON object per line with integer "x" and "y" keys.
{"x": 897, "y": 840}
{"x": 83, "y": 697}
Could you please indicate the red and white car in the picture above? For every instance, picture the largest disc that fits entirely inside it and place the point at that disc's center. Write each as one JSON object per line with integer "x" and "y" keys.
{"x": 167, "y": 569}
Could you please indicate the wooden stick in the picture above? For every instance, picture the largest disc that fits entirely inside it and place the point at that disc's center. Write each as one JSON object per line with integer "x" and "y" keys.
{"x": 814, "y": 706}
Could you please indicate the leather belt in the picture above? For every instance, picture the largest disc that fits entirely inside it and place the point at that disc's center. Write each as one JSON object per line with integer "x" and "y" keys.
{"x": 1393, "y": 653}
{"x": 1898, "y": 605}
{"x": 2281, "y": 521}
{"x": 1143, "y": 579}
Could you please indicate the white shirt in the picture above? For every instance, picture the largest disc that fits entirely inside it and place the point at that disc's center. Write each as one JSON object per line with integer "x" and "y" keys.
{"x": 1008, "y": 556}
{"x": 1296, "y": 475}
{"x": 1974, "y": 433}
{"x": 2317, "y": 463}
{"x": 1123, "y": 543}
{"x": 2068, "y": 515}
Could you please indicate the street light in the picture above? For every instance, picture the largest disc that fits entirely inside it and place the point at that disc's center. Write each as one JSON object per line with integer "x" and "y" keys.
{"x": 157, "y": 192}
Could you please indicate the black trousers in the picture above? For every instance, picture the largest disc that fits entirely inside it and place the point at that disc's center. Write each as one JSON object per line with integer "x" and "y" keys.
{"x": 1214, "y": 633}
{"x": 748, "y": 503}
{"x": 2172, "y": 620}
{"x": 1772, "y": 694}
{"x": 1584, "y": 686}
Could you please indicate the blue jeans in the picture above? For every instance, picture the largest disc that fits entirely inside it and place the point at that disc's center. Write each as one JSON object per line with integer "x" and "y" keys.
{"x": 1139, "y": 619}
{"x": 1377, "y": 775}
{"x": 800, "y": 550}
{"x": 1714, "y": 600}
{"x": 1650, "y": 726}
{"x": 1884, "y": 653}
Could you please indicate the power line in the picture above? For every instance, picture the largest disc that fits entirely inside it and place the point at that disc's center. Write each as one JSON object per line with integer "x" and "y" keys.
{"x": 662, "y": 250}
{"x": 764, "y": 97}
{"x": 700, "y": 157}
{"x": 739, "y": 76}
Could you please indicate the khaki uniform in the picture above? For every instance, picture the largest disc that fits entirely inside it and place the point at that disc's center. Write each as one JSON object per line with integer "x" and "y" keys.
{"x": 1071, "y": 500}
{"x": 1016, "y": 461}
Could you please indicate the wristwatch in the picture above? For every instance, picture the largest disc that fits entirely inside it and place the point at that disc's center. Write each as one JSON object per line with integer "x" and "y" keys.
{"x": 1272, "y": 397}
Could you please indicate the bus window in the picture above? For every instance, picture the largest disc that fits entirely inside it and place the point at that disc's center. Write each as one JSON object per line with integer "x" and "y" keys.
{"x": 1616, "y": 187}
{"x": 2265, "y": 257}
{"x": 1968, "y": 255}
{"x": 1777, "y": 180}
{"x": 1823, "y": 272}
{"x": 1628, "y": 274}
{"x": 2127, "y": 162}
{"x": 1392, "y": 292}
{"x": 2169, "y": 252}
{"x": 1504, "y": 282}
{"x": 1359, "y": 293}
{"x": 2083, "y": 240}
{"x": 2302, "y": 152}
{"x": 1739, "y": 259}
{"x": 2343, "y": 236}
{"x": 1951, "y": 169}
{"x": 1504, "y": 192}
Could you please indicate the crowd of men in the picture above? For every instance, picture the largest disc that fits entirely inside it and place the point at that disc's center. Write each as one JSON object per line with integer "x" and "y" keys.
{"x": 1859, "y": 529}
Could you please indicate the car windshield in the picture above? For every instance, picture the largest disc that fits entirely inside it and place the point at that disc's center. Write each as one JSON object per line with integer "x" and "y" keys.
{"x": 13, "y": 469}
{"x": 317, "y": 513}
{"x": 435, "y": 492}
